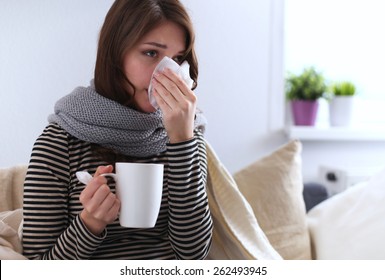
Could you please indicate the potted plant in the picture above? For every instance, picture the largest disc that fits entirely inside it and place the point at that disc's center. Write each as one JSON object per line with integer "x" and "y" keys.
{"x": 341, "y": 103}
{"x": 303, "y": 92}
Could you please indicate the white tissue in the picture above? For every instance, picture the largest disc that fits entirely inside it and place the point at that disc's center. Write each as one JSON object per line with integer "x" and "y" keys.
{"x": 182, "y": 71}
{"x": 83, "y": 177}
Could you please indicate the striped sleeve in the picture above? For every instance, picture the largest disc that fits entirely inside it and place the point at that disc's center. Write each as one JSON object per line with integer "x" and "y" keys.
{"x": 49, "y": 232}
{"x": 190, "y": 224}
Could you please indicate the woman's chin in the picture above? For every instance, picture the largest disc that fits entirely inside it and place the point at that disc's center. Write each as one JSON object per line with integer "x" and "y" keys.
{"x": 146, "y": 108}
{"x": 142, "y": 103}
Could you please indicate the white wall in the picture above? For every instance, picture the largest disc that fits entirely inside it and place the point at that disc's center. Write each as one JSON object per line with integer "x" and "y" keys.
{"x": 234, "y": 49}
{"x": 47, "y": 47}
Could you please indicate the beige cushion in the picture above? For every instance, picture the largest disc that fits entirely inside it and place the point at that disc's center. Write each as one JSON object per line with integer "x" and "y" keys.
{"x": 273, "y": 186}
{"x": 11, "y": 187}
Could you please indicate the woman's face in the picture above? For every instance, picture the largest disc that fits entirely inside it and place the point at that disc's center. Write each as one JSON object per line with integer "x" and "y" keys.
{"x": 168, "y": 39}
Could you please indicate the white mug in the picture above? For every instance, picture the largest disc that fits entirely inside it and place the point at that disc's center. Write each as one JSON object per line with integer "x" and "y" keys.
{"x": 139, "y": 188}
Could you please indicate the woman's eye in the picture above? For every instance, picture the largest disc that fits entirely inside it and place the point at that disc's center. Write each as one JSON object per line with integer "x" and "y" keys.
{"x": 151, "y": 53}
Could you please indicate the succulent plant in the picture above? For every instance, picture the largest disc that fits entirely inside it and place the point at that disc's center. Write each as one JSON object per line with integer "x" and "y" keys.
{"x": 309, "y": 85}
{"x": 344, "y": 88}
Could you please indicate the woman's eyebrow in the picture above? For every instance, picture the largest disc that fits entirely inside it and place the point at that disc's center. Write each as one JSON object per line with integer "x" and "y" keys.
{"x": 162, "y": 46}
{"x": 156, "y": 45}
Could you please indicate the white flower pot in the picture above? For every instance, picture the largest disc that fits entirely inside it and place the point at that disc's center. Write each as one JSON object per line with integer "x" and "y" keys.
{"x": 341, "y": 110}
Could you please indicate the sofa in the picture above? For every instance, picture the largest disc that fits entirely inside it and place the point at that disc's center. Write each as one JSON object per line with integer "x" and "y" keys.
{"x": 263, "y": 211}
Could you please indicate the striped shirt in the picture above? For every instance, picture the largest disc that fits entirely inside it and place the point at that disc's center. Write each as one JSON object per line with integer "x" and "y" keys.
{"x": 52, "y": 226}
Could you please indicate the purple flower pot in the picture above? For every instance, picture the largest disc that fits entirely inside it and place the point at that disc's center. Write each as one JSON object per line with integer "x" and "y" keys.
{"x": 304, "y": 112}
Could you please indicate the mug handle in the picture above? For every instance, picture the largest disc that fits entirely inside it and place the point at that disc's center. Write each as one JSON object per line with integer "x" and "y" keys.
{"x": 113, "y": 175}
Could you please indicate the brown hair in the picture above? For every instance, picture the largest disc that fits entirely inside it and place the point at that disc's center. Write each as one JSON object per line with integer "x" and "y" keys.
{"x": 126, "y": 22}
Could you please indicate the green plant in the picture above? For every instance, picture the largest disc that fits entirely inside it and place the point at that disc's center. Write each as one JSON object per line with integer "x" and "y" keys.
{"x": 343, "y": 89}
{"x": 309, "y": 85}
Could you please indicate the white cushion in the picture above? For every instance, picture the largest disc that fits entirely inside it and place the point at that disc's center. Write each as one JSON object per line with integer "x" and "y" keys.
{"x": 351, "y": 225}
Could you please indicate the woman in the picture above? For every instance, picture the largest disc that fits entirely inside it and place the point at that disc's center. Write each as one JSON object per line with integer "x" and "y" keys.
{"x": 113, "y": 120}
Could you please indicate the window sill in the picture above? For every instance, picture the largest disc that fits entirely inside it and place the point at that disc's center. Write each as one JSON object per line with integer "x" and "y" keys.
{"x": 308, "y": 133}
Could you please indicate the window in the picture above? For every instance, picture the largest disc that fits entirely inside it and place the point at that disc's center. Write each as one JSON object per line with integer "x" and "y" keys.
{"x": 344, "y": 40}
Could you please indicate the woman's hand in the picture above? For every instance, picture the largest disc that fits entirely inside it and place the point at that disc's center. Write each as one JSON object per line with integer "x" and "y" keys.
{"x": 101, "y": 206}
{"x": 178, "y": 104}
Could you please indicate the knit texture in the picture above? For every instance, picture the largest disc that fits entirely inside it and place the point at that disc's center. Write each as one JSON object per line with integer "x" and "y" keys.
{"x": 91, "y": 117}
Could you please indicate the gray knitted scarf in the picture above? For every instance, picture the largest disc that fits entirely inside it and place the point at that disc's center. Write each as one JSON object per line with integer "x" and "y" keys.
{"x": 93, "y": 118}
